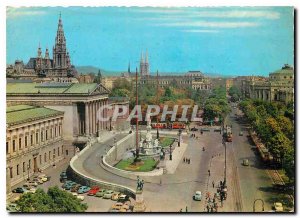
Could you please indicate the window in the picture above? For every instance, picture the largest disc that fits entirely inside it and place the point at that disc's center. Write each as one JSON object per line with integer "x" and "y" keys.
{"x": 17, "y": 169}
{"x": 49, "y": 155}
{"x": 29, "y": 165}
{"x": 53, "y": 153}
{"x": 31, "y": 140}
{"x": 45, "y": 157}
{"x": 57, "y": 151}
{"x": 55, "y": 131}
{"x": 26, "y": 137}
{"x": 40, "y": 159}
{"x": 7, "y": 148}
{"x": 20, "y": 143}
{"x": 46, "y": 135}
{"x": 24, "y": 167}
{"x": 42, "y": 136}
{"x": 36, "y": 138}
{"x": 11, "y": 172}
{"x": 51, "y": 133}
{"x": 59, "y": 130}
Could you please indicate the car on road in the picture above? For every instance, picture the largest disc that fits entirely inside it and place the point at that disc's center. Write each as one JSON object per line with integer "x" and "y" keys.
{"x": 30, "y": 183}
{"x": 108, "y": 194}
{"x": 205, "y": 130}
{"x": 117, "y": 206}
{"x": 38, "y": 180}
{"x": 217, "y": 130}
{"x": 123, "y": 198}
{"x": 43, "y": 177}
{"x": 93, "y": 190}
{"x": 12, "y": 207}
{"x": 69, "y": 185}
{"x": 115, "y": 196}
{"x": 19, "y": 190}
{"x": 80, "y": 197}
{"x": 194, "y": 129}
{"x": 83, "y": 189}
{"x": 32, "y": 190}
{"x": 75, "y": 188}
{"x": 197, "y": 196}
{"x": 278, "y": 207}
{"x": 241, "y": 133}
{"x": 246, "y": 162}
{"x": 100, "y": 193}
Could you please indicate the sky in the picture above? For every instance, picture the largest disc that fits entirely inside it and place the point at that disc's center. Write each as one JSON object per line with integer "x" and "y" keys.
{"x": 221, "y": 40}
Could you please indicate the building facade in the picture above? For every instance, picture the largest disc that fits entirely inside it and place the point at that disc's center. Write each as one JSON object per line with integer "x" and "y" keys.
{"x": 42, "y": 65}
{"x": 34, "y": 141}
{"x": 278, "y": 87}
{"x": 80, "y": 102}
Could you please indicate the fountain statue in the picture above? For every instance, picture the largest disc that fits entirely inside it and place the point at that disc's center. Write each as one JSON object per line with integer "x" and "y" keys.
{"x": 148, "y": 146}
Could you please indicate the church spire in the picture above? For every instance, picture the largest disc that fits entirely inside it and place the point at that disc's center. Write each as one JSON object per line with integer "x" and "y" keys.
{"x": 146, "y": 58}
{"x": 39, "y": 53}
{"x": 129, "y": 67}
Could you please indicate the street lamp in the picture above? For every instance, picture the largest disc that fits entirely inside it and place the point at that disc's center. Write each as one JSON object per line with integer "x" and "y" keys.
{"x": 170, "y": 152}
{"x": 110, "y": 123}
{"x": 179, "y": 137}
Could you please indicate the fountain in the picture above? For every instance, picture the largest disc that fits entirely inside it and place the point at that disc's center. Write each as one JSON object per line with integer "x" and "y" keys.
{"x": 148, "y": 146}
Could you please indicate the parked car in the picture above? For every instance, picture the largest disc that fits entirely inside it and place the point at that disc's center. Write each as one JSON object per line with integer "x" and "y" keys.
{"x": 12, "y": 207}
{"x": 205, "y": 130}
{"x": 69, "y": 185}
{"x": 123, "y": 198}
{"x": 108, "y": 194}
{"x": 75, "y": 188}
{"x": 32, "y": 190}
{"x": 93, "y": 190}
{"x": 115, "y": 196}
{"x": 43, "y": 177}
{"x": 80, "y": 197}
{"x": 27, "y": 186}
{"x": 31, "y": 183}
{"x": 100, "y": 193}
{"x": 278, "y": 207}
{"x": 19, "y": 190}
{"x": 246, "y": 162}
{"x": 117, "y": 206}
{"x": 37, "y": 180}
{"x": 197, "y": 196}
{"x": 83, "y": 189}
{"x": 194, "y": 129}
{"x": 217, "y": 130}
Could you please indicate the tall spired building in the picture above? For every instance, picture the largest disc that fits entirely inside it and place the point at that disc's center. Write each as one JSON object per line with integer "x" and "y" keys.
{"x": 144, "y": 65}
{"x": 59, "y": 67}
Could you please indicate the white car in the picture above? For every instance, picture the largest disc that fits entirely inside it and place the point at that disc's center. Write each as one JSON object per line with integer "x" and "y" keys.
{"x": 80, "y": 197}
{"x": 32, "y": 190}
{"x": 43, "y": 177}
{"x": 197, "y": 196}
{"x": 278, "y": 207}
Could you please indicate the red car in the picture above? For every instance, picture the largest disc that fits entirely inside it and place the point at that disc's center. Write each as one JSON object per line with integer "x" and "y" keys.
{"x": 94, "y": 190}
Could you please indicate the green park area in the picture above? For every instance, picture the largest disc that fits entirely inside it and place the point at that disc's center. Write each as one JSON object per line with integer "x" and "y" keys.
{"x": 144, "y": 165}
{"x": 166, "y": 141}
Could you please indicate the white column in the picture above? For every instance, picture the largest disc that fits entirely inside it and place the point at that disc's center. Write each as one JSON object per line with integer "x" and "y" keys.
{"x": 87, "y": 125}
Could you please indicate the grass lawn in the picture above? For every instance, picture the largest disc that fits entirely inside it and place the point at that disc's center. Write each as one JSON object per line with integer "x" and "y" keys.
{"x": 146, "y": 165}
{"x": 166, "y": 141}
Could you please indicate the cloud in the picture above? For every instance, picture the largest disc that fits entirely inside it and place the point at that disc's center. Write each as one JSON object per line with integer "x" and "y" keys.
{"x": 211, "y": 24}
{"x": 201, "y": 31}
{"x": 15, "y": 12}
{"x": 238, "y": 14}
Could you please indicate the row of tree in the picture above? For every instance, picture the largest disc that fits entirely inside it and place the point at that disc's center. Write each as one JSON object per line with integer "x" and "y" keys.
{"x": 274, "y": 125}
{"x": 55, "y": 200}
{"x": 216, "y": 106}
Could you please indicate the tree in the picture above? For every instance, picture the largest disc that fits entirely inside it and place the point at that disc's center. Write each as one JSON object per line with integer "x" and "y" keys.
{"x": 55, "y": 200}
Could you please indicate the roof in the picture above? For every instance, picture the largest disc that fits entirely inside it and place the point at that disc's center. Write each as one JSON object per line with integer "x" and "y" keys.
{"x": 24, "y": 113}
{"x": 52, "y": 88}
{"x": 285, "y": 69}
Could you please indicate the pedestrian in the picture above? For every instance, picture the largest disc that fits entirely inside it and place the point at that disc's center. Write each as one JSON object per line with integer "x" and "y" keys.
{"x": 221, "y": 184}
{"x": 207, "y": 207}
{"x": 189, "y": 160}
{"x": 184, "y": 160}
{"x": 213, "y": 184}
{"x": 186, "y": 210}
{"x": 209, "y": 172}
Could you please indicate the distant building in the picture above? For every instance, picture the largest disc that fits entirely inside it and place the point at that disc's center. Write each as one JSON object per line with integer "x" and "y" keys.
{"x": 229, "y": 84}
{"x": 278, "y": 87}
{"x": 43, "y": 66}
{"x": 86, "y": 78}
{"x": 33, "y": 141}
{"x": 144, "y": 65}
